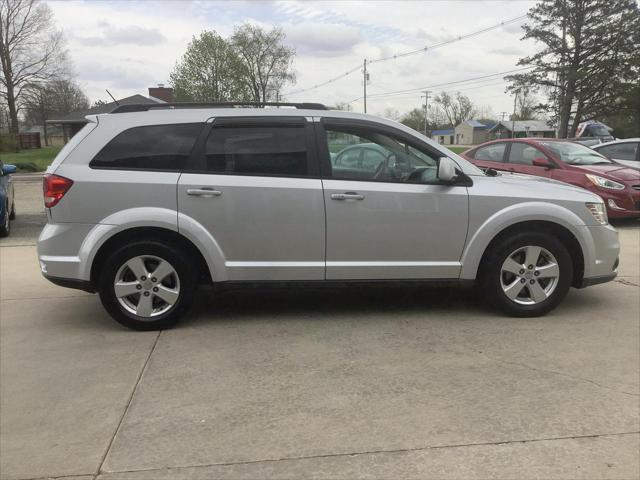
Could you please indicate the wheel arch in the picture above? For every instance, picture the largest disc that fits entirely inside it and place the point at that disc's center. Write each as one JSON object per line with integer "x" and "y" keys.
{"x": 556, "y": 220}
{"x": 151, "y": 233}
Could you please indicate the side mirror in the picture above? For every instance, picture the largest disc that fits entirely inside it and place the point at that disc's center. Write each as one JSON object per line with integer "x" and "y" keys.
{"x": 446, "y": 170}
{"x": 8, "y": 169}
{"x": 542, "y": 162}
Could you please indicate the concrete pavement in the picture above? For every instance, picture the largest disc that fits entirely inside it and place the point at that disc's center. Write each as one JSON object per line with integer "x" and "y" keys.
{"x": 332, "y": 383}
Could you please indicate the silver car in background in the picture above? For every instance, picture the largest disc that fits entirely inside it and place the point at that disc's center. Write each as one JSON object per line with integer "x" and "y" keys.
{"x": 625, "y": 151}
{"x": 146, "y": 202}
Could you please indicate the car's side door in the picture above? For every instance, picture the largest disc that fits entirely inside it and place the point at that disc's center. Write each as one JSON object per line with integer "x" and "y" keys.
{"x": 521, "y": 156}
{"x": 254, "y": 185}
{"x": 490, "y": 156}
{"x": 396, "y": 221}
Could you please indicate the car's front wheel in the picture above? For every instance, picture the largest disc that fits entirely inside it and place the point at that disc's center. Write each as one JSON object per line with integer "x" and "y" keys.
{"x": 147, "y": 285}
{"x": 527, "y": 274}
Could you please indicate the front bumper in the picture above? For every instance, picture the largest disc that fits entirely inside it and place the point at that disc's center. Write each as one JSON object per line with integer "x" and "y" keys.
{"x": 622, "y": 205}
{"x": 601, "y": 255}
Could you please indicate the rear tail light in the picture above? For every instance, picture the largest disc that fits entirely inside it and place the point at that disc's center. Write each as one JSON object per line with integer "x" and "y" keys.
{"x": 54, "y": 188}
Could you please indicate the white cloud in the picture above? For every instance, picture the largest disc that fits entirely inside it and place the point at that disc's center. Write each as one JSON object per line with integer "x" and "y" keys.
{"x": 128, "y": 46}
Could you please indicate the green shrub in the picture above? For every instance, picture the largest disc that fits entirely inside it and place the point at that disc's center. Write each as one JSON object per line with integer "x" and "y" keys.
{"x": 26, "y": 167}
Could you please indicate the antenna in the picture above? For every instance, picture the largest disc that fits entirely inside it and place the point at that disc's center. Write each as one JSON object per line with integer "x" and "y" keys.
{"x": 114, "y": 98}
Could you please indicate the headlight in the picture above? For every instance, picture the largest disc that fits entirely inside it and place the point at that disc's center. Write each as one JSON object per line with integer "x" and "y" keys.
{"x": 599, "y": 212}
{"x": 604, "y": 182}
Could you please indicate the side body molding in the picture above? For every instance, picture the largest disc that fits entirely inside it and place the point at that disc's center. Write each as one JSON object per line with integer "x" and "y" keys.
{"x": 518, "y": 213}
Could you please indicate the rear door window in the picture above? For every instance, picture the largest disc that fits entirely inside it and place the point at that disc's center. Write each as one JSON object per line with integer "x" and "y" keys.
{"x": 270, "y": 150}
{"x": 491, "y": 153}
{"x": 523, "y": 154}
{"x": 152, "y": 147}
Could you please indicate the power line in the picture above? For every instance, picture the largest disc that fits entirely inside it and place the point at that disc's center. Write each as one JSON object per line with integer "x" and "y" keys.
{"x": 448, "y": 42}
{"x": 406, "y": 54}
{"x": 468, "y": 80}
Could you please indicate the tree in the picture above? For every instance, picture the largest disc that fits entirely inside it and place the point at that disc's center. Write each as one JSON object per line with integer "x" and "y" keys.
{"x": 589, "y": 53}
{"x": 456, "y": 108}
{"x": 209, "y": 71}
{"x": 267, "y": 62}
{"x": 526, "y": 104}
{"x": 43, "y": 101}
{"x": 414, "y": 119}
{"x": 391, "y": 113}
{"x": 31, "y": 50}
{"x": 342, "y": 106}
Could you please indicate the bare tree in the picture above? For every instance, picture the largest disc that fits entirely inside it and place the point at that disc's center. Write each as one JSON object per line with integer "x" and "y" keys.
{"x": 31, "y": 50}
{"x": 456, "y": 108}
{"x": 43, "y": 101}
{"x": 267, "y": 61}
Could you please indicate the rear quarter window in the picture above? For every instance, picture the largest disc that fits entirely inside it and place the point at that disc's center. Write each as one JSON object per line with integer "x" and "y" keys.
{"x": 152, "y": 147}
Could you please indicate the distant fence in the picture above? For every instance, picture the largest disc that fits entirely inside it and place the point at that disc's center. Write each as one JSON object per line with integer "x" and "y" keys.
{"x": 22, "y": 141}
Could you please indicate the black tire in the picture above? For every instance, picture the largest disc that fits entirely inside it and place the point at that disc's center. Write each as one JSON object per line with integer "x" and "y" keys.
{"x": 5, "y": 226}
{"x": 12, "y": 216}
{"x": 183, "y": 265}
{"x": 491, "y": 275}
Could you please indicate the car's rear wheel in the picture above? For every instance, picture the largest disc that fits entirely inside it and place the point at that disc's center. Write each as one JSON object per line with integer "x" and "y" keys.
{"x": 147, "y": 285}
{"x": 528, "y": 274}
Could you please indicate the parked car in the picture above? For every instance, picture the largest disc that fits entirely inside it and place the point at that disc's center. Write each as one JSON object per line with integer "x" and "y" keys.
{"x": 624, "y": 151}
{"x": 592, "y": 133}
{"x": 7, "y": 203}
{"x": 146, "y": 202}
{"x": 568, "y": 162}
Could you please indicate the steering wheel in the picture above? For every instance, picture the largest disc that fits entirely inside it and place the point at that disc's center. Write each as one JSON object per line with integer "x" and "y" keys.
{"x": 423, "y": 175}
{"x": 383, "y": 167}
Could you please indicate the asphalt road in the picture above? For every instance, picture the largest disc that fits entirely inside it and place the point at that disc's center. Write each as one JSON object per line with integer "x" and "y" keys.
{"x": 331, "y": 383}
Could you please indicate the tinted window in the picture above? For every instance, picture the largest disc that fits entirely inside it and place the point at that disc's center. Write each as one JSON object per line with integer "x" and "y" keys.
{"x": 620, "y": 151}
{"x": 523, "y": 154}
{"x": 491, "y": 153}
{"x": 264, "y": 150}
{"x": 359, "y": 154}
{"x": 154, "y": 147}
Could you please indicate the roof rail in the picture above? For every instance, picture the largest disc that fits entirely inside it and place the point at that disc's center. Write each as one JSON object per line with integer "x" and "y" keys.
{"x": 143, "y": 107}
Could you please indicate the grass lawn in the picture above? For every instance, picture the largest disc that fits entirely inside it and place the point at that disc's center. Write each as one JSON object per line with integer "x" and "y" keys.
{"x": 455, "y": 149}
{"x": 32, "y": 160}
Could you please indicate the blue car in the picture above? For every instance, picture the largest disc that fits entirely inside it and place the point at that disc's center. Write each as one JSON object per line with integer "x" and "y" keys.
{"x": 7, "y": 204}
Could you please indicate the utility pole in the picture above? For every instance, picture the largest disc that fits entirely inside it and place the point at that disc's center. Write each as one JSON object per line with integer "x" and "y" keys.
{"x": 366, "y": 78}
{"x": 513, "y": 118}
{"x": 503, "y": 115}
{"x": 426, "y": 105}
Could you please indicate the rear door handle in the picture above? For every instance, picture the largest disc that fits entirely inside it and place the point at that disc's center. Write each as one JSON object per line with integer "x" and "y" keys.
{"x": 347, "y": 196}
{"x": 203, "y": 192}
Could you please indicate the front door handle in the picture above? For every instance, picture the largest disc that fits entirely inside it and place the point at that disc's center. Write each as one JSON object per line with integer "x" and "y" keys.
{"x": 203, "y": 192}
{"x": 347, "y": 196}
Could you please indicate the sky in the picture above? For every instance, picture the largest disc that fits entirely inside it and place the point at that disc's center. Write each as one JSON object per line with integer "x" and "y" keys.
{"x": 128, "y": 46}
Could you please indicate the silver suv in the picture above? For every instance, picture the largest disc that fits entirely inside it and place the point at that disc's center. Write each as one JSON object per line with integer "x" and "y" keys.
{"x": 146, "y": 202}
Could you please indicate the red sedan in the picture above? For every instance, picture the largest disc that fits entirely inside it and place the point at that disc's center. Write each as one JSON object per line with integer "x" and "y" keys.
{"x": 567, "y": 162}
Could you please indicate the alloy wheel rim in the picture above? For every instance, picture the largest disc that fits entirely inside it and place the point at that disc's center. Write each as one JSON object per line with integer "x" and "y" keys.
{"x": 147, "y": 286}
{"x": 529, "y": 275}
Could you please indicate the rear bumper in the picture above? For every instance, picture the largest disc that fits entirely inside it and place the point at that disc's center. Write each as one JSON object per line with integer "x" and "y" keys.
{"x": 74, "y": 283}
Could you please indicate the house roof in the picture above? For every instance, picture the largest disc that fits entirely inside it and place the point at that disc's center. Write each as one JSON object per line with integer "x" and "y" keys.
{"x": 474, "y": 123}
{"x": 525, "y": 125}
{"x": 448, "y": 131}
{"x": 79, "y": 116}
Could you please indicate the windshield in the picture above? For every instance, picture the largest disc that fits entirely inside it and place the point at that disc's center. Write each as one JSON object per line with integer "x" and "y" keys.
{"x": 576, "y": 154}
{"x": 596, "y": 131}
